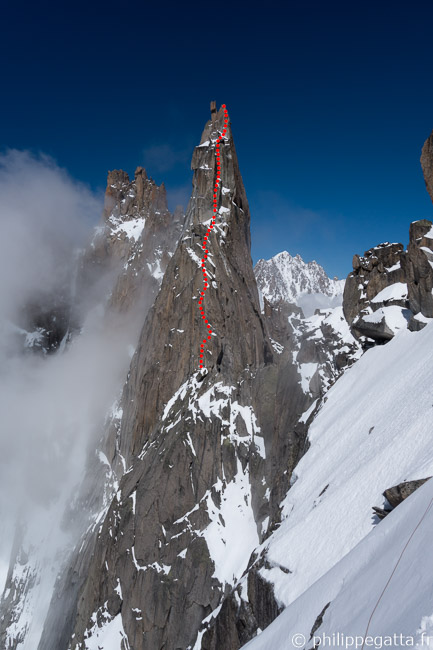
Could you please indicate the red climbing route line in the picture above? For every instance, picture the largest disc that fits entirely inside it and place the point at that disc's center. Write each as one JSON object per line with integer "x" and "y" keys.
{"x": 206, "y": 237}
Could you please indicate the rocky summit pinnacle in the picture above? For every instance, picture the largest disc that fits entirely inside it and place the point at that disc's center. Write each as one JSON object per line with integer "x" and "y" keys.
{"x": 232, "y": 303}
{"x": 192, "y": 441}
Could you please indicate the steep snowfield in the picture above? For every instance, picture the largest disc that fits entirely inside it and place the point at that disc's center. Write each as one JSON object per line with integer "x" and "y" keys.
{"x": 284, "y": 277}
{"x": 387, "y": 578}
{"x": 373, "y": 432}
{"x": 108, "y": 636}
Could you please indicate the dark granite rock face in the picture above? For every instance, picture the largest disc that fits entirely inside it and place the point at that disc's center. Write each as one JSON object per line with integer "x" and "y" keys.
{"x": 427, "y": 164}
{"x": 195, "y": 443}
{"x": 417, "y": 264}
{"x": 241, "y": 615}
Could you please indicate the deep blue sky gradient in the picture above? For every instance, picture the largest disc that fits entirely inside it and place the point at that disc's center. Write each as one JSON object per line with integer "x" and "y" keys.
{"x": 330, "y": 104}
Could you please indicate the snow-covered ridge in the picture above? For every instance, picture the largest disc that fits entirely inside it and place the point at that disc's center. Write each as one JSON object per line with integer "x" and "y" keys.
{"x": 288, "y": 278}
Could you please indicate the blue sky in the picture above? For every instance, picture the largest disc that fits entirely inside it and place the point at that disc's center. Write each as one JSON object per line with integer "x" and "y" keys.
{"x": 330, "y": 104}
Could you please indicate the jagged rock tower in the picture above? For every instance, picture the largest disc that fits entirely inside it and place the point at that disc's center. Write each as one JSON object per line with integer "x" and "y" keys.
{"x": 208, "y": 454}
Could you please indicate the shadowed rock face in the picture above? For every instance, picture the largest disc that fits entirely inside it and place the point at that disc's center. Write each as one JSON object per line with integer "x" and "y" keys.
{"x": 45, "y": 322}
{"x": 427, "y": 164}
{"x": 170, "y": 343}
{"x": 417, "y": 266}
{"x": 239, "y": 619}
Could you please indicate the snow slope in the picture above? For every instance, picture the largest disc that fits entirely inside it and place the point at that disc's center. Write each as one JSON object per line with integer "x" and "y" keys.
{"x": 386, "y": 577}
{"x": 373, "y": 431}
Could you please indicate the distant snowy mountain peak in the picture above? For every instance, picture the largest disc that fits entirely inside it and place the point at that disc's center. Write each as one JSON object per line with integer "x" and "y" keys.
{"x": 306, "y": 284}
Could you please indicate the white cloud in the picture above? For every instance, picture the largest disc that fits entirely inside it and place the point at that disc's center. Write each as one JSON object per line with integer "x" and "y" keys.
{"x": 51, "y": 408}
{"x": 44, "y": 215}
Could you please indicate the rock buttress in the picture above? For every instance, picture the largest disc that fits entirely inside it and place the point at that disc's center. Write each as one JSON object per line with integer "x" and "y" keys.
{"x": 209, "y": 454}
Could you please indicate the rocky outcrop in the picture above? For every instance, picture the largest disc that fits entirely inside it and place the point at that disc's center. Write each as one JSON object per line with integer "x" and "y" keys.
{"x": 378, "y": 268}
{"x": 427, "y": 164}
{"x": 318, "y": 622}
{"x": 417, "y": 264}
{"x": 390, "y": 289}
{"x": 365, "y": 296}
{"x": 326, "y": 348}
{"x": 397, "y": 494}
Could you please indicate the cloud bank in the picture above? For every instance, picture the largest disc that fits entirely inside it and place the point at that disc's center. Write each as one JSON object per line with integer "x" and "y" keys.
{"x": 52, "y": 407}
